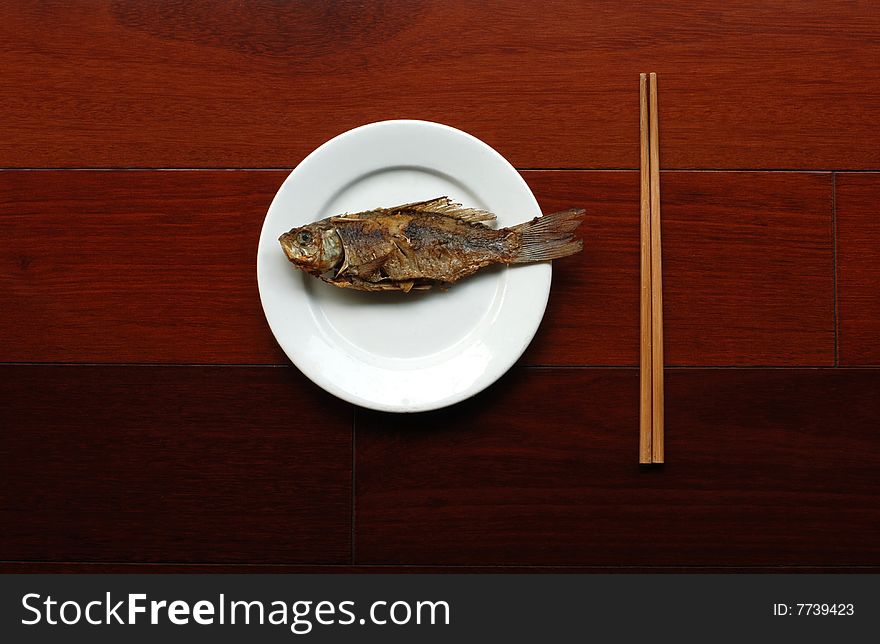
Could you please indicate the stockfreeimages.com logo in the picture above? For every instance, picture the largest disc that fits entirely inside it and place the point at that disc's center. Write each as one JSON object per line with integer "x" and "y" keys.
{"x": 299, "y": 616}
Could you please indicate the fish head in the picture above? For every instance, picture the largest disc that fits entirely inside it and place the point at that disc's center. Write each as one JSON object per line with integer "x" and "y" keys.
{"x": 315, "y": 248}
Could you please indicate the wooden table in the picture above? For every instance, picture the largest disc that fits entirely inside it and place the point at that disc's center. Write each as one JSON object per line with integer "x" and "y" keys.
{"x": 147, "y": 416}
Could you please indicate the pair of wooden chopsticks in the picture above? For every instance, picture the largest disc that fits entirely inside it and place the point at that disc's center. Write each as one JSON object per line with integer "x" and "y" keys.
{"x": 651, "y": 360}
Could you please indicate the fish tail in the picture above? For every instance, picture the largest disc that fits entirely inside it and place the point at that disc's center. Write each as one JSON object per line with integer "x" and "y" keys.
{"x": 549, "y": 237}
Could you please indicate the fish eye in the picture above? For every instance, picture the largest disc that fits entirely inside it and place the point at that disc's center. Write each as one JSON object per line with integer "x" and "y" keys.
{"x": 305, "y": 237}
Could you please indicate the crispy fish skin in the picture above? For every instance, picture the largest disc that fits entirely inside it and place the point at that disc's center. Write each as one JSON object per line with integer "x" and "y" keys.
{"x": 417, "y": 246}
{"x": 429, "y": 247}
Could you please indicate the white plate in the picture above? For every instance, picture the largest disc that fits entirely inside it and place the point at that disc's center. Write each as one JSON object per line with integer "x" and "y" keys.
{"x": 394, "y": 351}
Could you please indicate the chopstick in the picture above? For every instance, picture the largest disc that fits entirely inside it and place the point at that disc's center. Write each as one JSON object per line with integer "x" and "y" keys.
{"x": 645, "y": 352}
{"x": 657, "y": 433}
{"x": 651, "y": 425}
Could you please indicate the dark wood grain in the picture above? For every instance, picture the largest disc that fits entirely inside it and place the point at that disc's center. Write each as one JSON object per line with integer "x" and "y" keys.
{"x": 133, "y": 267}
{"x": 764, "y": 467}
{"x": 592, "y": 316}
{"x": 150, "y": 468}
{"x": 172, "y": 464}
{"x": 259, "y": 84}
{"x": 159, "y": 267}
{"x": 748, "y": 270}
{"x": 858, "y": 268}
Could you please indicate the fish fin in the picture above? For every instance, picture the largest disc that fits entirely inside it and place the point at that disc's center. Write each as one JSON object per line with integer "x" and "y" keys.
{"x": 358, "y": 216}
{"x": 345, "y": 264}
{"x": 358, "y": 284}
{"x": 448, "y": 208}
{"x": 367, "y": 269}
{"x": 430, "y": 204}
{"x": 364, "y": 269}
{"x": 550, "y": 236}
{"x": 443, "y": 206}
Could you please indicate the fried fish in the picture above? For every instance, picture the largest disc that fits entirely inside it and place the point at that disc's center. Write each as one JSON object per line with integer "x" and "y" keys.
{"x": 423, "y": 244}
